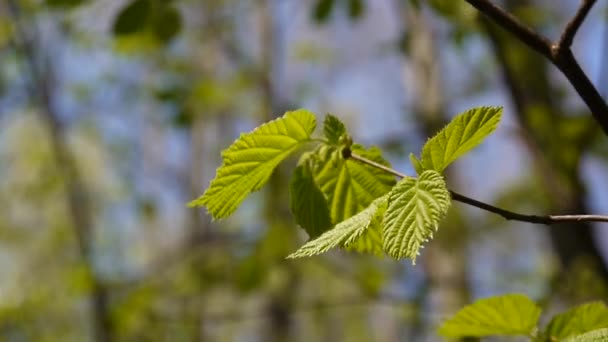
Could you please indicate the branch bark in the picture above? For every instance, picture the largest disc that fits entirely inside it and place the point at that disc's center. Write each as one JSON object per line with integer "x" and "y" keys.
{"x": 508, "y": 215}
{"x": 558, "y": 53}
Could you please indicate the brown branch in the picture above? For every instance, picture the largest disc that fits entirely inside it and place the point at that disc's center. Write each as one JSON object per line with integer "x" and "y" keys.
{"x": 565, "y": 40}
{"x": 508, "y": 22}
{"x": 558, "y": 53}
{"x": 508, "y": 215}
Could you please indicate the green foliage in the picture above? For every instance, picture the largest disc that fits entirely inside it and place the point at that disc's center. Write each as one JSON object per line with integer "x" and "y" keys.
{"x": 416, "y": 164}
{"x": 333, "y": 129}
{"x": 346, "y": 186}
{"x": 308, "y": 204}
{"x": 415, "y": 207}
{"x": 599, "y": 335}
{"x": 349, "y": 185}
{"x": 515, "y": 314}
{"x": 512, "y": 314}
{"x": 345, "y": 233}
{"x": 462, "y": 134}
{"x": 250, "y": 160}
{"x": 578, "y": 320}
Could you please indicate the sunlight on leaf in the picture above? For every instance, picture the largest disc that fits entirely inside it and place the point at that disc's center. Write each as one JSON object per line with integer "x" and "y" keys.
{"x": 599, "y": 335}
{"x": 462, "y": 134}
{"x": 578, "y": 320}
{"x": 415, "y": 207}
{"x": 343, "y": 234}
{"x": 250, "y": 160}
{"x": 349, "y": 185}
{"x": 511, "y": 314}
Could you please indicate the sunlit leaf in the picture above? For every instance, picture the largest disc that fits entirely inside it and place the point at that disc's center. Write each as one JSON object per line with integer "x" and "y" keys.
{"x": 416, "y": 164}
{"x": 250, "y": 160}
{"x": 371, "y": 240}
{"x": 343, "y": 234}
{"x": 350, "y": 186}
{"x": 578, "y": 320}
{"x": 462, "y": 134}
{"x": 599, "y": 335}
{"x": 308, "y": 204}
{"x": 511, "y": 314}
{"x": 415, "y": 207}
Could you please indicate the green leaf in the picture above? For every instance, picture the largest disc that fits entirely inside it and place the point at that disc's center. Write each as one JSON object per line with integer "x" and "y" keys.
{"x": 333, "y": 129}
{"x": 350, "y": 186}
{"x": 132, "y": 18}
{"x": 343, "y": 234}
{"x": 599, "y": 335}
{"x": 167, "y": 23}
{"x": 511, "y": 314}
{"x": 415, "y": 207}
{"x": 416, "y": 164}
{"x": 578, "y": 320}
{"x": 250, "y": 160}
{"x": 462, "y": 134}
{"x": 308, "y": 204}
{"x": 371, "y": 240}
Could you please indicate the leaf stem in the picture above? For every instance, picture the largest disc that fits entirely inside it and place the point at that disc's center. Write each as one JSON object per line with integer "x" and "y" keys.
{"x": 508, "y": 215}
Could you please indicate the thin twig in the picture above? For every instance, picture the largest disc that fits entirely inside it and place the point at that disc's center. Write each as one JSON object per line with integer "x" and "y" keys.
{"x": 508, "y": 215}
{"x": 565, "y": 40}
{"x": 558, "y": 53}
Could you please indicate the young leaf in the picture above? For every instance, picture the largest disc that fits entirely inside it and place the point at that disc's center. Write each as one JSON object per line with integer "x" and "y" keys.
{"x": 512, "y": 314}
{"x": 307, "y": 202}
{"x": 250, "y": 160}
{"x": 578, "y": 320}
{"x": 333, "y": 129}
{"x": 371, "y": 240}
{"x": 599, "y": 335}
{"x": 343, "y": 234}
{"x": 415, "y": 207}
{"x": 349, "y": 185}
{"x": 462, "y": 134}
{"x": 416, "y": 164}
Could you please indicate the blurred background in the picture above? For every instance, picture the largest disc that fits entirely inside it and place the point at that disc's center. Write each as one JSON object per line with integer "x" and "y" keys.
{"x": 113, "y": 115}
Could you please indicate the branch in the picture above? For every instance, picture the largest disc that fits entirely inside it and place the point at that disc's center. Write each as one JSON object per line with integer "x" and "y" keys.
{"x": 508, "y": 22}
{"x": 565, "y": 41}
{"x": 508, "y": 215}
{"x": 558, "y": 53}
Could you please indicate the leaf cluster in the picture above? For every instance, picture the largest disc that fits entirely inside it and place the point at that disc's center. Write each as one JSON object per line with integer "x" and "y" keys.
{"x": 340, "y": 200}
{"x": 517, "y": 315}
